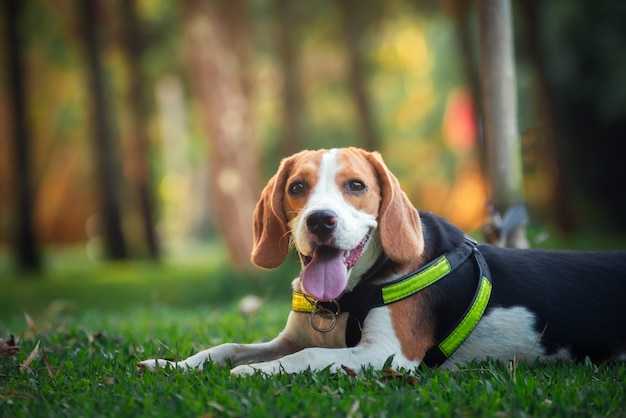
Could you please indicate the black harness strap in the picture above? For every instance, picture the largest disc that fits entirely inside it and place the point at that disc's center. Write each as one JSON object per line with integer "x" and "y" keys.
{"x": 435, "y": 356}
{"x": 366, "y": 296}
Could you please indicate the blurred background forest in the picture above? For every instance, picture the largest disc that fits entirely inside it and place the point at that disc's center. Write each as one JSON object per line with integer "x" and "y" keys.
{"x": 136, "y": 129}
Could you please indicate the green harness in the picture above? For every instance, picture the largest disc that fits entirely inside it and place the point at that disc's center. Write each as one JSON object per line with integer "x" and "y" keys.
{"x": 367, "y": 296}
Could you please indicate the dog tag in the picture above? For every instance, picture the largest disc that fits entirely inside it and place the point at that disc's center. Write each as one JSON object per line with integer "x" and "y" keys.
{"x": 325, "y": 314}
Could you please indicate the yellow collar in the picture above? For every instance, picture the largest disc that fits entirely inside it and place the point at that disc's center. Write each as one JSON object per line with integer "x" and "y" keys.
{"x": 406, "y": 286}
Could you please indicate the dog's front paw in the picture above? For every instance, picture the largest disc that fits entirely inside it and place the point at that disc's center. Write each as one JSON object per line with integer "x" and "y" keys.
{"x": 243, "y": 370}
{"x": 270, "y": 368}
{"x": 153, "y": 364}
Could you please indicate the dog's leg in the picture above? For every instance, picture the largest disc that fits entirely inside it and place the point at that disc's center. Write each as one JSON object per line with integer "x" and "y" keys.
{"x": 316, "y": 358}
{"x": 222, "y": 355}
{"x": 378, "y": 343}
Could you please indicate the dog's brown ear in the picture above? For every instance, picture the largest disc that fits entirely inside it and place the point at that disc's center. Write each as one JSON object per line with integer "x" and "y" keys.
{"x": 398, "y": 221}
{"x": 271, "y": 240}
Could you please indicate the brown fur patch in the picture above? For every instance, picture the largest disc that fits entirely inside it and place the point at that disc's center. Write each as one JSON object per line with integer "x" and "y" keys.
{"x": 353, "y": 166}
{"x": 413, "y": 328}
{"x": 305, "y": 170}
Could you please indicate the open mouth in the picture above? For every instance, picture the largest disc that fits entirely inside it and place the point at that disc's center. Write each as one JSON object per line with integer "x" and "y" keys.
{"x": 350, "y": 257}
{"x": 325, "y": 273}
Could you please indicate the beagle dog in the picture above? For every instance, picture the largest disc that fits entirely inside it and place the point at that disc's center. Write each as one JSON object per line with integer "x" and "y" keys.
{"x": 382, "y": 283}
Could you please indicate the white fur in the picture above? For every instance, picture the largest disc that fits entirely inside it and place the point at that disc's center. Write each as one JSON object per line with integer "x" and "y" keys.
{"x": 504, "y": 334}
{"x": 353, "y": 225}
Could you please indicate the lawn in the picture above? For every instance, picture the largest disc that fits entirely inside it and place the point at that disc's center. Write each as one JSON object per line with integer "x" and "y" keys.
{"x": 85, "y": 366}
{"x": 86, "y": 326}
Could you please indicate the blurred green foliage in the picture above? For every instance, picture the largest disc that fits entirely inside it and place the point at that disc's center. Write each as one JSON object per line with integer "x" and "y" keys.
{"x": 73, "y": 281}
{"x": 415, "y": 77}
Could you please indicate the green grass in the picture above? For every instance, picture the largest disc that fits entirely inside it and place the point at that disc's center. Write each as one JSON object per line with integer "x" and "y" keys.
{"x": 91, "y": 356}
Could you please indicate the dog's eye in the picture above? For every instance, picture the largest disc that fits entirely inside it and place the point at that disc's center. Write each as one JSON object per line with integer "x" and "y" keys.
{"x": 297, "y": 187}
{"x": 356, "y": 186}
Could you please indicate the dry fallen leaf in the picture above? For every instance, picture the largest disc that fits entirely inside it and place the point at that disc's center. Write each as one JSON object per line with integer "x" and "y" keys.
{"x": 391, "y": 374}
{"x": 25, "y": 365}
{"x": 48, "y": 365}
{"x": 8, "y": 347}
{"x": 30, "y": 324}
{"x": 350, "y": 372}
{"x": 98, "y": 336}
{"x": 15, "y": 394}
{"x": 107, "y": 380}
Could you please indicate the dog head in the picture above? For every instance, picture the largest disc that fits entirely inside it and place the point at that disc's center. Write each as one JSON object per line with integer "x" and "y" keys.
{"x": 340, "y": 209}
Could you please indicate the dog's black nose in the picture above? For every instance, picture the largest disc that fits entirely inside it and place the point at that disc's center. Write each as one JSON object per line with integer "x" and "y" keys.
{"x": 322, "y": 223}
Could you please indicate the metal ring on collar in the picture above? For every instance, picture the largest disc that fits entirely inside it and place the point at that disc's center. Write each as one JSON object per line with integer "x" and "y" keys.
{"x": 324, "y": 313}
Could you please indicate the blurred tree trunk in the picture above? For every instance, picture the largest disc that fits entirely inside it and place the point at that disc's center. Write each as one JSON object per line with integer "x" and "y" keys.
{"x": 107, "y": 160}
{"x": 140, "y": 145}
{"x": 461, "y": 15}
{"x": 504, "y": 159}
{"x": 552, "y": 159}
{"x": 25, "y": 241}
{"x": 217, "y": 35}
{"x": 352, "y": 29}
{"x": 288, "y": 29}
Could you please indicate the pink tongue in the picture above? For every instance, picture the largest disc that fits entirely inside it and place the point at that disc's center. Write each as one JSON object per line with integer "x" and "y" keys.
{"x": 326, "y": 276}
